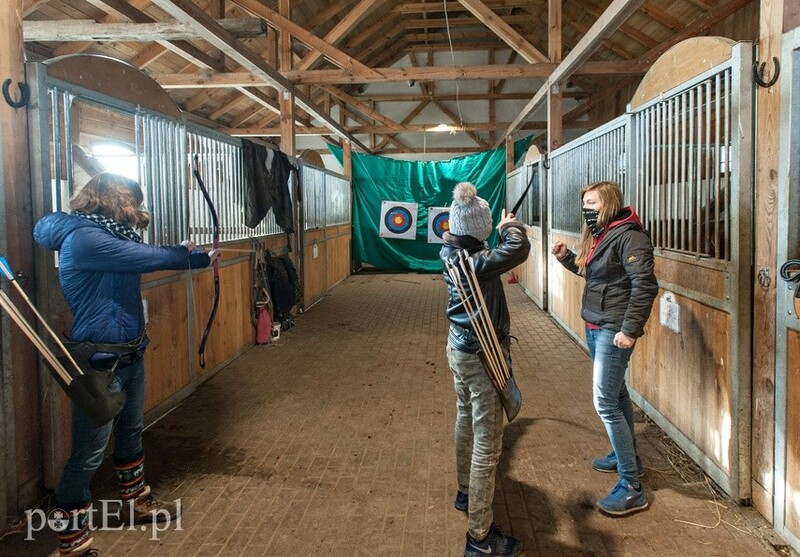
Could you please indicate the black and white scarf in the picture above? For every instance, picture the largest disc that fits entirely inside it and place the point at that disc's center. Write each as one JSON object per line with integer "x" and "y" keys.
{"x": 121, "y": 231}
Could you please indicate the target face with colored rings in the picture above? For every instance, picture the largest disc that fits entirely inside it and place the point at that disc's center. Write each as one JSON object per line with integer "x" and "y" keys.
{"x": 441, "y": 224}
{"x": 398, "y": 220}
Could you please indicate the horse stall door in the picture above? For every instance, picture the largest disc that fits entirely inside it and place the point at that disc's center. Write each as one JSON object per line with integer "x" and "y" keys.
{"x": 693, "y": 146}
{"x": 787, "y": 341}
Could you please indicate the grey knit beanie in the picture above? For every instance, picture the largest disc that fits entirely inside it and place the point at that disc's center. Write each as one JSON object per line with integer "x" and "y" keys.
{"x": 469, "y": 214}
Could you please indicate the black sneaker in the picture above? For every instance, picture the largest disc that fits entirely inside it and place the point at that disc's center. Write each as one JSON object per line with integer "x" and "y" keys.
{"x": 495, "y": 543}
{"x": 462, "y": 502}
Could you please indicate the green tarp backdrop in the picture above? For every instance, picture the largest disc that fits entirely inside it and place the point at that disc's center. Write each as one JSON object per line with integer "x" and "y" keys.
{"x": 429, "y": 184}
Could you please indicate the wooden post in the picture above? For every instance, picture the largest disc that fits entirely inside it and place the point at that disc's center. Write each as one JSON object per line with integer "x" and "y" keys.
{"x": 765, "y": 298}
{"x": 286, "y": 97}
{"x": 20, "y": 439}
{"x": 555, "y": 126}
{"x": 555, "y": 129}
{"x": 509, "y": 154}
{"x": 347, "y": 158}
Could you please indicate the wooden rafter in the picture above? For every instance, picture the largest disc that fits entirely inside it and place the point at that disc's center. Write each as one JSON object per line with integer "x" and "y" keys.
{"x": 89, "y": 30}
{"x": 186, "y": 11}
{"x": 504, "y": 31}
{"x": 333, "y": 54}
{"x": 612, "y": 18}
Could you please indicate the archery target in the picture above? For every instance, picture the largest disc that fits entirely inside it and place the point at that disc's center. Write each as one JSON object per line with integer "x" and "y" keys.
{"x": 398, "y": 220}
{"x": 438, "y": 224}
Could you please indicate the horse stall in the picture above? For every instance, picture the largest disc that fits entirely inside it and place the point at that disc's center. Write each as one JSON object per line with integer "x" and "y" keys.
{"x": 786, "y": 500}
{"x": 525, "y": 186}
{"x": 90, "y": 114}
{"x": 326, "y": 233}
{"x": 597, "y": 156}
{"x": 692, "y": 119}
{"x": 682, "y": 155}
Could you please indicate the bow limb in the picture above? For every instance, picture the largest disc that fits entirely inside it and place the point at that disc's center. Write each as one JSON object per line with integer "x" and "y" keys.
{"x": 522, "y": 197}
{"x": 214, "y": 264}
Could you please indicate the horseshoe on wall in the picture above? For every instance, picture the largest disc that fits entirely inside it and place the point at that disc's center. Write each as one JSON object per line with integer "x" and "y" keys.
{"x": 24, "y": 94}
{"x": 758, "y": 73}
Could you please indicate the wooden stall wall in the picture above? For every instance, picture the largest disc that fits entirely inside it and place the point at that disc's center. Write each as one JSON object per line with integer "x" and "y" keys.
{"x": 700, "y": 395}
{"x": 784, "y": 478}
{"x": 565, "y": 290}
{"x": 525, "y": 185}
{"x": 532, "y": 272}
{"x": 326, "y": 261}
{"x": 791, "y": 500}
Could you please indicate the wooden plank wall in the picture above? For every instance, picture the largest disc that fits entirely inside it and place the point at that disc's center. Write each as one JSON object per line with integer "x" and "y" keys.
{"x": 21, "y": 456}
{"x": 566, "y": 289}
{"x": 766, "y": 162}
{"x": 792, "y": 501}
{"x": 331, "y": 264}
{"x": 692, "y": 387}
{"x": 531, "y": 273}
{"x": 177, "y": 305}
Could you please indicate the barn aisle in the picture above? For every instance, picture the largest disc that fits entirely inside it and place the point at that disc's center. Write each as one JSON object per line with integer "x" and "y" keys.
{"x": 337, "y": 440}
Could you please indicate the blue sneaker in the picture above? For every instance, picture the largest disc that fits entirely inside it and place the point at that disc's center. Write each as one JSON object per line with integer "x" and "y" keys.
{"x": 461, "y": 502}
{"x": 495, "y": 543}
{"x": 608, "y": 464}
{"x": 623, "y": 499}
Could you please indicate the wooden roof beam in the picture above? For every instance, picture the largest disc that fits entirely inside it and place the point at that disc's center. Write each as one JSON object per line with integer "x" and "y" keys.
{"x": 347, "y": 24}
{"x": 384, "y": 75}
{"x": 88, "y": 30}
{"x": 187, "y": 12}
{"x": 123, "y": 10}
{"x": 614, "y": 16}
{"x": 408, "y": 128}
{"x": 330, "y": 52}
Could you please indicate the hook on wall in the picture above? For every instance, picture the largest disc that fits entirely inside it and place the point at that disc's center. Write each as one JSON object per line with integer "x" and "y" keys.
{"x": 758, "y": 73}
{"x": 24, "y": 94}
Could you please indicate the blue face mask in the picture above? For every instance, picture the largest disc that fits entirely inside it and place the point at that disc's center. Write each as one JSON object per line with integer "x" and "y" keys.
{"x": 591, "y": 216}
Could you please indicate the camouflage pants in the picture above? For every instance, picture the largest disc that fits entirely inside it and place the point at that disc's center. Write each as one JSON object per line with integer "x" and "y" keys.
{"x": 478, "y": 437}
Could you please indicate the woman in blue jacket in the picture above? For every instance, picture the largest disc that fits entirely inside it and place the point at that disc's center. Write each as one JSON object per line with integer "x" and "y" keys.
{"x": 101, "y": 260}
{"x": 616, "y": 259}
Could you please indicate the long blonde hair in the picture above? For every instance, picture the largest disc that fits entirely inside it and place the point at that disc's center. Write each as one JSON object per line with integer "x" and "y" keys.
{"x": 611, "y": 204}
{"x": 113, "y": 196}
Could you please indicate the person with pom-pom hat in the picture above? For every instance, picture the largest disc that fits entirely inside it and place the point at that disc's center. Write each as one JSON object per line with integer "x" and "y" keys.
{"x": 479, "y": 412}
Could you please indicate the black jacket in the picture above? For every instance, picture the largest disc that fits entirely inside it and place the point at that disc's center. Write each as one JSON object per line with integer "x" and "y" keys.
{"x": 511, "y": 251}
{"x": 620, "y": 283}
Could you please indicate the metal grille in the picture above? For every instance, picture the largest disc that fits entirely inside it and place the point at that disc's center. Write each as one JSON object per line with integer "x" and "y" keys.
{"x": 597, "y": 156}
{"x": 337, "y": 200}
{"x": 222, "y": 169}
{"x": 684, "y": 187}
{"x": 326, "y": 198}
{"x": 313, "y": 197}
{"x": 161, "y": 150}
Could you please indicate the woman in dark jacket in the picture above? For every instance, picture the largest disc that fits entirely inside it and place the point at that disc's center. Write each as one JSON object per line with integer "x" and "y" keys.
{"x": 101, "y": 260}
{"x": 616, "y": 259}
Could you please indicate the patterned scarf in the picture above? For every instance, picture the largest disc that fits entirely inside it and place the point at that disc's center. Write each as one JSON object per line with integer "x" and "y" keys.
{"x": 121, "y": 231}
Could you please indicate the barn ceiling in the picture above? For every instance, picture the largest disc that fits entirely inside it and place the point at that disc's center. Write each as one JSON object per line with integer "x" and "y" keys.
{"x": 385, "y": 73}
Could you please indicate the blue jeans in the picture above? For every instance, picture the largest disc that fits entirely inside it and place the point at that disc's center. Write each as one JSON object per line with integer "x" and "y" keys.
{"x": 89, "y": 443}
{"x": 611, "y": 399}
{"x": 478, "y": 437}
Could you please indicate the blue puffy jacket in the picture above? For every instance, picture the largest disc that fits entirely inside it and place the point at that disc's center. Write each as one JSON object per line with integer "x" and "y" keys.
{"x": 100, "y": 275}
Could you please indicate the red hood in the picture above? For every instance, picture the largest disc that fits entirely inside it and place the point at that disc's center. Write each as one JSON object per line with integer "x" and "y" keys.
{"x": 626, "y": 215}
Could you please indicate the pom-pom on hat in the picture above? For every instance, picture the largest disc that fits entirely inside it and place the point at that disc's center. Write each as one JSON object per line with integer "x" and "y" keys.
{"x": 469, "y": 214}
